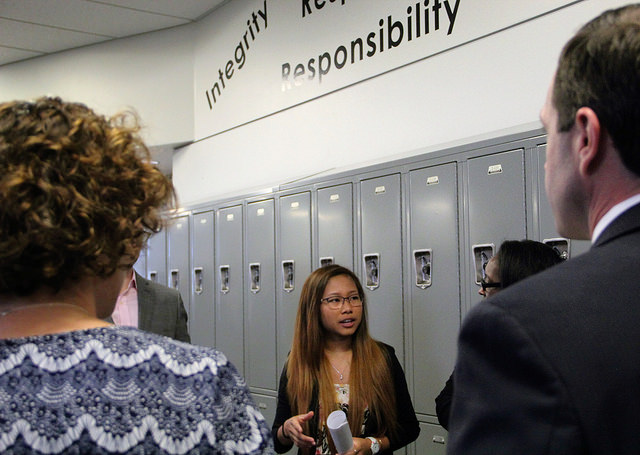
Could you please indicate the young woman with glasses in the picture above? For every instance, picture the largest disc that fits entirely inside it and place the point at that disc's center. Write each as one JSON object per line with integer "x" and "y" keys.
{"x": 335, "y": 364}
{"x": 515, "y": 261}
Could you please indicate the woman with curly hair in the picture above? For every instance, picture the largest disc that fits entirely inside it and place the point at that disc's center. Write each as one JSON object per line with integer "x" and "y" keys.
{"x": 335, "y": 364}
{"x": 78, "y": 197}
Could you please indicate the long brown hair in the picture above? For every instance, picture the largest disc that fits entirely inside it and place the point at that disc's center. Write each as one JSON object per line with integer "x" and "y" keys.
{"x": 371, "y": 383}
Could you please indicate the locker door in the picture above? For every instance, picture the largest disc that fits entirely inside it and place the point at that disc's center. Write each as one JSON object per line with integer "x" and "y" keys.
{"x": 294, "y": 264}
{"x": 335, "y": 226}
{"x": 548, "y": 233}
{"x": 157, "y": 257}
{"x": 432, "y": 440}
{"x": 381, "y": 260}
{"x": 496, "y": 205}
{"x": 178, "y": 259}
{"x": 229, "y": 279}
{"x": 434, "y": 274}
{"x": 260, "y": 282}
{"x": 202, "y": 320}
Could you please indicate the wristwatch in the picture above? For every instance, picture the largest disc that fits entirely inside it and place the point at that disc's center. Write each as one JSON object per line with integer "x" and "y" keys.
{"x": 375, "y": 445}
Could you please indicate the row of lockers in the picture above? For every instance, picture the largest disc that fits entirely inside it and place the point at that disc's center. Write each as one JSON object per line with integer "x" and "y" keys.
{"x": 416, "y": 232}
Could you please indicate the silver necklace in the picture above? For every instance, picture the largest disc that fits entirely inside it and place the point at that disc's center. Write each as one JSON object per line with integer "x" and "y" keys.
{"x": 337, "y": 371}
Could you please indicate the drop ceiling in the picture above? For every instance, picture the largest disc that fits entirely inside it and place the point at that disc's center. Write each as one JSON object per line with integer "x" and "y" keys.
{"x": 33, "y": 28}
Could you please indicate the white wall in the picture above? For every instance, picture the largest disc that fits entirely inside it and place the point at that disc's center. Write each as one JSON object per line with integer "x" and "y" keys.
{"x": 494, "y": 83}
{"x": 153, "y": 73}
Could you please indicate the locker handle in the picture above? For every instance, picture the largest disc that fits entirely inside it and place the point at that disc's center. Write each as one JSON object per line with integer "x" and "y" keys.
{"x": 372, "y": 270}
{"x": 224, "y": 279}
{"x": 327, "y": 260}
{"x": 197, "y": 280}
{"x": 438, "y": 439}
{"x": 175, "y": 278}
{"x": 422, "y": 267}
{"x": 561, "y": 245}
{"x": 153, "y": 276}
{"x": 481, "y": 255}
{"x": 254, "y": 269}
{"x": 288, "y": 275}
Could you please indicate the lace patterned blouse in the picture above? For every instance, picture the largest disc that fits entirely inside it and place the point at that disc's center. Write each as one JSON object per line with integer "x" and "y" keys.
{"x": 118, "y": 389}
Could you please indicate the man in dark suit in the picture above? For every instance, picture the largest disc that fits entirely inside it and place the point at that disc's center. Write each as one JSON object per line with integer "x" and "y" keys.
{"x": 151, "y": 307}
{"x": 551, "y": 365}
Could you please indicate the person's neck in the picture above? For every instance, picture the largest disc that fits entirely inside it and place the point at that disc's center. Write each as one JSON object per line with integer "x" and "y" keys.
{"x": 338, "y": 345}
{"x": 47, "y": 312}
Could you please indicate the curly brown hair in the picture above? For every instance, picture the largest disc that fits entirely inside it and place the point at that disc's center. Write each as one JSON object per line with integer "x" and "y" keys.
{"x": 78, "y": 194}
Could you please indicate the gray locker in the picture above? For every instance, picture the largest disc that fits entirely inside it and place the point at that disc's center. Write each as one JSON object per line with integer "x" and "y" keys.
{"x": 432, "y": 440}
{"x": 335, "y": 226}
{"x": 381, "y": 261}
{"x": 294, "y": 264}
{"x": 141, "y": 264}
{"x": 178, "y": 259}
{"x": 548, "y": 233}
{"x": 434, "y": 279}
{"x": 202, "y": 318}
{"x": 229, "y": 290}
{"x": 497, "y": 212}
{"x": 262, "y": 365}
{"x": 157, "y": 257}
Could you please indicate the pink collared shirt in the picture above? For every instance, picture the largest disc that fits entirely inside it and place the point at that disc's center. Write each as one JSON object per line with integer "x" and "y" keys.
{"x": 126, "y": 310}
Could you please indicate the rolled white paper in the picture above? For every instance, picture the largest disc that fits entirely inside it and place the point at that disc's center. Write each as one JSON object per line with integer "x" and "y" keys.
{"x": 340, "y": 431}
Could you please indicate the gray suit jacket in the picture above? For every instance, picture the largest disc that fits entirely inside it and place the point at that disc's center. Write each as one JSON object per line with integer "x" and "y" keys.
{"x": 161, "y": 310}
{"x": 551, "y": 365}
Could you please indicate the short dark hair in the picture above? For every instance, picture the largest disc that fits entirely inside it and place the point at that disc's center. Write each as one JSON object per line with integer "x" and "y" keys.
{"x": 518, "y": 259}
{"x": 600, "y": 68}
{"x": 78, "y": 192}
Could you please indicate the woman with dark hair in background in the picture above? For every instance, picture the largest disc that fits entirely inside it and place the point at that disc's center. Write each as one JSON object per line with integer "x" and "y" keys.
{"x": 515, "y": 261}
{"x": 335, "y": 364}
{"x": 79, "y": 197}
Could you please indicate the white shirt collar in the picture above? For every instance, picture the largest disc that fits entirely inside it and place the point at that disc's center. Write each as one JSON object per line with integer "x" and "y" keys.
{"x": 613, "y": 213}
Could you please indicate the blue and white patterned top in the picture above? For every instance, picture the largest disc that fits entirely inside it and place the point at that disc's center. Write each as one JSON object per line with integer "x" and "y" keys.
{"x": 118, "y": 389}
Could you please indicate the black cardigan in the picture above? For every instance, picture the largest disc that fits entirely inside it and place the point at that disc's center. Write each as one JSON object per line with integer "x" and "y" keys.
{"x": 408, "y": 427}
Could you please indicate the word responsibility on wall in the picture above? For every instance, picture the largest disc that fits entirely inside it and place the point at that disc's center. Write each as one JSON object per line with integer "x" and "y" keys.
{"x": 253, "y": 28}
{"x": 420, "y": 21}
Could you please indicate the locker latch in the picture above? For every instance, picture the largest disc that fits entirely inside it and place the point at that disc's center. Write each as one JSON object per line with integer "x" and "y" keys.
{"x": 561, "y": 245}
{"x": 197, "y": 280}
{"x": 481, "y": 255}
{"x": 153, "y": 276}
{"x": 372, "y": 270}
{"x": 254, "y": 271}
{"x": 422, "y": 267}
{"x": 224, "y": 279}
{"x": 175, "y": 278}
{"x": 288, "y": 275}
{"x": 328, "y": 260}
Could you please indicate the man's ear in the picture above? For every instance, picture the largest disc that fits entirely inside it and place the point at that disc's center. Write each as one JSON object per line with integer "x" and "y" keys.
{"x": 587, "y": 140}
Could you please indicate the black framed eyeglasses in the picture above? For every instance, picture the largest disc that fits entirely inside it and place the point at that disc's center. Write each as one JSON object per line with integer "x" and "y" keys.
{"x": 486, "y": 285}
{"x": 335, "y": 302}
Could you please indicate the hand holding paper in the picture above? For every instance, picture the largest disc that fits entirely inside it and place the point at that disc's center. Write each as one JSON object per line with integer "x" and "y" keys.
{"x": 340, "y": 432}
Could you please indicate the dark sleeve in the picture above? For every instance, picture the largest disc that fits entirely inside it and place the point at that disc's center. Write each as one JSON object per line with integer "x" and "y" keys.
{"x": 507, "y": 397}
{"x": 283, "y": 412}
{"x": 408, "y": 427}
{"x": 182, "y": 327}
{"x": 443, "y": 403}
